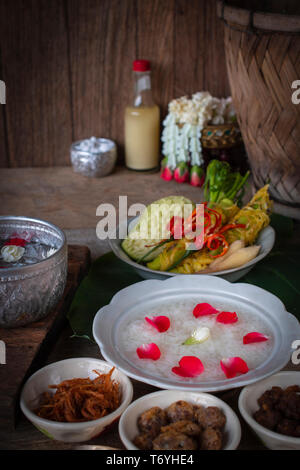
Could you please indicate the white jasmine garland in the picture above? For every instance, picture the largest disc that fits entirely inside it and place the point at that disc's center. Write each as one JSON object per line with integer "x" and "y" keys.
{"x": 183, "y": 125}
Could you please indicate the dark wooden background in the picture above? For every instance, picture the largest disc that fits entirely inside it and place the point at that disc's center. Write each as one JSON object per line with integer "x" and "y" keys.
{"x": 67, "y": 67}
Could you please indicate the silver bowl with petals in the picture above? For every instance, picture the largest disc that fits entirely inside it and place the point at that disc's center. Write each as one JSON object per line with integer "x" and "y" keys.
{"x": 29, "y": 292}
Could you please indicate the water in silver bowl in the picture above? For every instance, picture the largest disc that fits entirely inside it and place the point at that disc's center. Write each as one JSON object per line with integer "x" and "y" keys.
{"x": 30, "y": 284}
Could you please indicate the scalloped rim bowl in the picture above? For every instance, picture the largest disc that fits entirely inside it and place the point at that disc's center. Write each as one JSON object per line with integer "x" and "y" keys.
{"x": 128, "y": 423}
{"x": 266, "y": 239}
{"x": 68, "y": 369}
{"x": 108, "y": 323}
{"x": 248, "y": 405}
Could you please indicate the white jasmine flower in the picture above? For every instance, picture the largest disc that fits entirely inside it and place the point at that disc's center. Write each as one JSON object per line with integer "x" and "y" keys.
{"x": 11, "y": 253}
{"x": 198, "y": 336}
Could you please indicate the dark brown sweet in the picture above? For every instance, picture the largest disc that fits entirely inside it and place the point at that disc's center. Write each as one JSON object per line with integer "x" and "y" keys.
{"x": 279, "y": 410}
{"x": 287, "y": 427}
{"x": 268, "y": 418}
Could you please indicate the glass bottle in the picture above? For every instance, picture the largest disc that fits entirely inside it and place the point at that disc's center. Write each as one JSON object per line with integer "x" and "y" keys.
{"x": 142, "y": 122}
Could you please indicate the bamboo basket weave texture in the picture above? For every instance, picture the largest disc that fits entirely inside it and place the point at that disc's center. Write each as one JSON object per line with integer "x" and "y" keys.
{"x": 262, "y": 65}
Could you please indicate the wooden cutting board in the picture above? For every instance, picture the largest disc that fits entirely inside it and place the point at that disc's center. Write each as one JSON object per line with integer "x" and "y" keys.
{"x": 28, "y": 346}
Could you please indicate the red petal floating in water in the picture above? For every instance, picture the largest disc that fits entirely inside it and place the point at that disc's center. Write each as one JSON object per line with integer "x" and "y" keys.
{"x": 254, "y": 337}
{"x": 227, "y": 317}
{"x": 232, "y": 366}
{"x": 16, "y": 241}
{"x": 189, "y": 366}
{"x": 203, "y": 309}
{"x": 160, "y": 322}
{"x": 148, "y": 351}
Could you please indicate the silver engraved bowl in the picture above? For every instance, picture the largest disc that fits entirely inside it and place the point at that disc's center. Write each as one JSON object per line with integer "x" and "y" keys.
{"x": 28, "y": 293}
{"x": 94, "y": 163}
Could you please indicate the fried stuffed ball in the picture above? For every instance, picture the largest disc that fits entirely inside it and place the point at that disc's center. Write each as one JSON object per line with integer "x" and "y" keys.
{"x": 211, "y": 439}
{"x": 211, "y": 417}
{"x": 143, "y": 441}
{"x": 180, "y": 411}
{"x": 152, "y": 420}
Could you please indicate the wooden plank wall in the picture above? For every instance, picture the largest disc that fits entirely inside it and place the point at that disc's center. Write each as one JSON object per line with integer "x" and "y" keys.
{"x": 67, "y": 67}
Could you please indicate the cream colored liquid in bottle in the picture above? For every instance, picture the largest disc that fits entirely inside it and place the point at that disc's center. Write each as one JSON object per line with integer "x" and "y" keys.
{"x": 142, "y": 123}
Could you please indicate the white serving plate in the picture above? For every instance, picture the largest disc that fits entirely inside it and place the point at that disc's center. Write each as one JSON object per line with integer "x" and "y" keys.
{"x": 128, "y": 429}
{"x": 266, "y": 240}
{"x": 110, "y": 320}
{"x": 248, "y": 405}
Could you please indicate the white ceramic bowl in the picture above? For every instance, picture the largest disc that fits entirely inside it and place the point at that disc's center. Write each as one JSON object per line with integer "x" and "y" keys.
{"x": 129, "y": 303}
{"x": 248, "y": 405}
{"x": 128, "y": 423}
{"x": 68, "y": 369}
{"x": 266, "y": 240}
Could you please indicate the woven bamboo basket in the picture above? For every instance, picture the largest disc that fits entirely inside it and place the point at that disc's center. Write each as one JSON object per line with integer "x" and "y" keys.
{"x": 263, "y": 60}
{"x": 221, "y": 136}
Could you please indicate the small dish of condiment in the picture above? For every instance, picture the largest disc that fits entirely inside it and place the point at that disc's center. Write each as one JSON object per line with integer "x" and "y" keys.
{"x": 179, "y": 420}
{"x": 271, "y": 408}
{"x": 75, "y": 399}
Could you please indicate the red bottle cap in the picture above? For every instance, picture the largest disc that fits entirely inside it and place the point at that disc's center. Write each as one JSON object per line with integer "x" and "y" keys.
{"x": 141, "y": 66}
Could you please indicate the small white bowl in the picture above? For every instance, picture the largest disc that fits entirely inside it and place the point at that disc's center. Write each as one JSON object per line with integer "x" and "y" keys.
{"x": 248, "y": 405}
{"x": 128, "y": 429}
{"x": 69, "y": 369}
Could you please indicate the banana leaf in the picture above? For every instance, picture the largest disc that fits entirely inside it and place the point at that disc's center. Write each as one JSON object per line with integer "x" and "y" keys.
{"x": 278, "y": 273}
{"x": 105, "y": 278}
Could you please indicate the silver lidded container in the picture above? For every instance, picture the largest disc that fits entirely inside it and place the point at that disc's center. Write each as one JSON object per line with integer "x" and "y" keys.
{"x": 29, "y": 292}
{"x": 95, "y": 157}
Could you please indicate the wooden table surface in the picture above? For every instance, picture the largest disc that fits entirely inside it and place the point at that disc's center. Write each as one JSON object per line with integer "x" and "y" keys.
{"x": 70, "y": 200}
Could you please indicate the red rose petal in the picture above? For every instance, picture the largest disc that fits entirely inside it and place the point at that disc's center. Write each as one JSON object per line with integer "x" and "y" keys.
{"x": 254, "y": 337}
{"x": 148, "y": 351}
{"x": 15, "y": 241}
{"x": 189, "y": 366}
{"x": 232, "y": 366}
{"x": 160, "y": 322}
{"x": 227, "y": 317}
{"x": 203, "y": 309}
